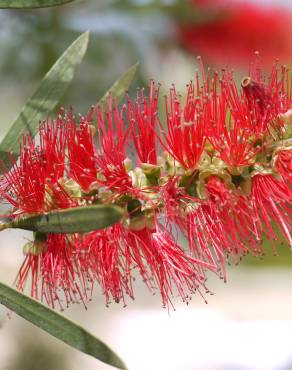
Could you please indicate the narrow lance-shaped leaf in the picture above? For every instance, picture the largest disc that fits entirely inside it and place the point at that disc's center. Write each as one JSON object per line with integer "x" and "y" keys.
{"x": 121, "y": 85}
{"x": 45, "y": 99}
{"x": 19, "y": 4}
{"x": 71, "y": 220}
{"x": 58, "y": 326}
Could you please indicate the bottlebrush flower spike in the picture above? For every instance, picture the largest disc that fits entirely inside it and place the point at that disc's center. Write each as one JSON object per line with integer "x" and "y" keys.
{"x": 259, "y": 102}
{"x": 36, "y": 184}
{"x": 230, "y": 135}
{"x": 271, "y": 200}
{"x": 113, "y": 142}
{"x": 181, "y": 210}
{"x": 31, "y": 186}
{"x": 115, "y": 252}
{"x": 105, "y": 259}
{"x": 216, "y": 173}
{"x": 143, "y": 114}
{"x": 170, "y": 266}
{"x": 283, "y": 164}
{"x": 24, "y": 185}
{"x": 186, "y": 133}
{"x": 54, "y": 271}
{"x": 81, "y": 151}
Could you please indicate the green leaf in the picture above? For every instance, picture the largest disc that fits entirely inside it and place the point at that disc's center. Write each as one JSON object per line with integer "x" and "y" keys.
{"x": 71, "y": 220}
{"x": 19, "y": 4}
{"x": 6, "y": 160}
{"x": 119, "y": 88}
{"x": 58, "y": 326}
{"x": 45, "y": 99}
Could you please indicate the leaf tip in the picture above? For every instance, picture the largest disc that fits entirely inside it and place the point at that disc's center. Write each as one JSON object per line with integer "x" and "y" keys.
{"x": 84, "y": 37}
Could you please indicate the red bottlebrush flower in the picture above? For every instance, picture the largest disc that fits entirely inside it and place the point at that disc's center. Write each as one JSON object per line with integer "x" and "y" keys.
{"x": 34, "y": 185}
{"x": 233, "y": 214}
{"x": 243, "y": 121}
{"x": 283, "y": 164}
{"x": 214, "y": 227}
{"x": 229, "y": 134}
{"x": 81, "y": 151}
{"x": 112, "y": 138}
{"x": 181, "y": 210}
{"x": 235, "y": 146}
{"x": 24, "y": 185}
{"x": 105, "y": 259}
{"x": 53, "y": 138}
{"x": 186, "y": 132}
{"x": 170, "y": 266}
{"x": 114, "y": 254}
{"x": 271, "y": 202}
{"x": 223, "y": 183}
{"x": 159, "y": 256}
{"x": 143, "y": 117}
{"x": 55, "y": 272}
{"x": 31, "y": 185}
{"x": 236, "y": 30}
{"x": 260, "y": 102}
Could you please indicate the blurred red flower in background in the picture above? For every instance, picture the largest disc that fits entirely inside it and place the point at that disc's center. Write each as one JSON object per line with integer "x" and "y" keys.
{"x": 236, "y": 30}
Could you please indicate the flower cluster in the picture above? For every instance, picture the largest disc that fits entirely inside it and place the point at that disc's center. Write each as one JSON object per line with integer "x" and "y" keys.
{"x": 211, "y": 172}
